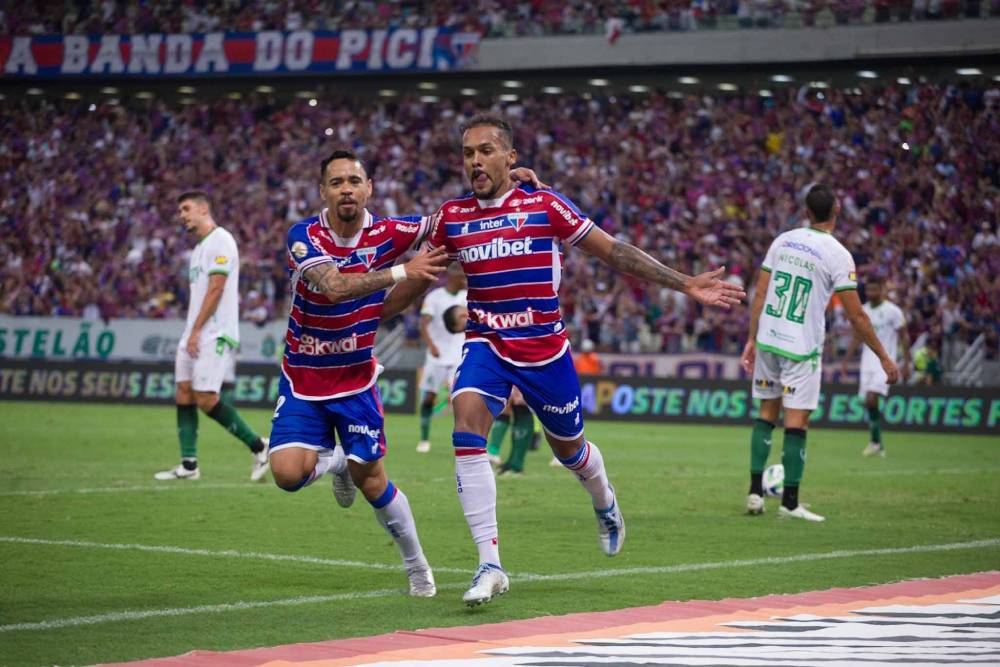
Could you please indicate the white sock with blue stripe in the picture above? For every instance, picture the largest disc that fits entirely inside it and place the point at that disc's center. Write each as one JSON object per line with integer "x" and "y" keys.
{"x": 392, "y": 509}
{"x": 588, "y": 466}
{"x": 477, "y": 491}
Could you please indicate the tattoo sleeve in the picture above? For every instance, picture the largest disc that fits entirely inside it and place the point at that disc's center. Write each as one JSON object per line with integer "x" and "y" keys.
{"x": 337, "y": 286}
{"x": 628, "y": 259}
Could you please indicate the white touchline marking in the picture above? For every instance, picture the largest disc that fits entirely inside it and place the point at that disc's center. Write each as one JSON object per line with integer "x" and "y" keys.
{"x": 523, "y": 577}
{"x": 115, "y": 616}
{"x": 226, "y": 553}
{"x": 182, "y": 485}
{"x": 771, "y": 560}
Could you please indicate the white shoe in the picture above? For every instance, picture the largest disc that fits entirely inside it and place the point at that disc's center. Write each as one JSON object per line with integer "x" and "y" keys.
{"x": 421, "y": 581}
{"x": 555, "y": 462}
{"x": 799, "y": 512}
{"x": 343, "y": 487}
{"x": 423, "y": 446}
{"x": 494, "y": 459}
{"x": 180, "y": 472}
{"x": 611, "y": 528}
{"x": 260, "y": 463}
{"x": 755, "y": 504}
{"x": 490, "y": 581}
{"x": 874, "y": 449}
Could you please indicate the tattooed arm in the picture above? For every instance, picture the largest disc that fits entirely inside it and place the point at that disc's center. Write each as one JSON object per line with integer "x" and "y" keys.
{"x": 626, "y": 258}
{"x": 338, "y": 287}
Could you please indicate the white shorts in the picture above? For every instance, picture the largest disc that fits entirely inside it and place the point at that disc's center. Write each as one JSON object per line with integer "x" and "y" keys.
{"x": 215, "y": 365}
{"x": 797, "y": 383}
{"x": 873, "y": 381}
{"x": 435, "y": 375}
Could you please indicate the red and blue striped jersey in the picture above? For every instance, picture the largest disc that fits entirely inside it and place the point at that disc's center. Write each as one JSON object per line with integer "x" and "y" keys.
{"x": 328, "y": 346}
{"x": 511, "y": 250}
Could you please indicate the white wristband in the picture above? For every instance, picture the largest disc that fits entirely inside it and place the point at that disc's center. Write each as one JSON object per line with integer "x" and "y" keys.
{"x": 398, "y": 273}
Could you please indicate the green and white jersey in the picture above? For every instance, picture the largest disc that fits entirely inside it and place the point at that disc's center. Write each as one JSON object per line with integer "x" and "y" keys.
{"x": 807, "y": 266}
{"x": 887, "y": 319}
{"x": 215, "y": 254}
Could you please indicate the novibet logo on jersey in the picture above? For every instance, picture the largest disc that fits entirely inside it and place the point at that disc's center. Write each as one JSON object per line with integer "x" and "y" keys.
{"x": 494, "y": 249}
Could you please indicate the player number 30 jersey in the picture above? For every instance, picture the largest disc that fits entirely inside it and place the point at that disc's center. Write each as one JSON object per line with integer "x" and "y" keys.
{"x": 807, "y": 266}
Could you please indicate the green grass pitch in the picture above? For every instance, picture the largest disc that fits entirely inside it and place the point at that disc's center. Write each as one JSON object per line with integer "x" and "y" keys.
{"x": 82, "y": 581}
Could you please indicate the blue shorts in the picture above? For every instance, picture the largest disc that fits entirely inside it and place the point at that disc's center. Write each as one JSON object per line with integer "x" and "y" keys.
{"x": 357, "y": 421}
{"x": 551, "y": 391}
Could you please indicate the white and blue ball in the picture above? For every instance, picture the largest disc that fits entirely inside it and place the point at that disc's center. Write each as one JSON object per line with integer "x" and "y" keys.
{"x": 774, "y": 480}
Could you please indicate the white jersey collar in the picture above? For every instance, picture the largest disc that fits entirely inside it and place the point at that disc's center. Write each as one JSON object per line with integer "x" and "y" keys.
{"x": 346, "y": 241}
{"x": 499, "y": 201}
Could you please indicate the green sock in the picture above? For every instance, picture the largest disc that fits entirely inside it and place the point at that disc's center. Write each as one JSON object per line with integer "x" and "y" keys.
{"x": 497, "y": 434}
{"x": 426, "y": 412}
{"x": 228, "y": 394}
{"x": 875, "y": 424}
{"x": 187, "y": 430}
{"x": 760, "y": 445}
{"x": 793, "y": 455}
{"x": 524, "y": 429}
{"x": 232, "y": 422}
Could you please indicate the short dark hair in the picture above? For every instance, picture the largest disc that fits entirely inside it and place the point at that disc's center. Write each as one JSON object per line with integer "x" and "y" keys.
{"x": 820, "y": 201}
{"x": 875, "y": 279}
{"x": 451, "y": 318}
{"x": 341, "y": 154}
{"x": 506, "y": 133}
{"x": 195, "y": 195}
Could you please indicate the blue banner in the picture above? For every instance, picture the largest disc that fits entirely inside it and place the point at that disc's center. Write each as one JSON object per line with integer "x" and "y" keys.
{"x": 237, "y": 53}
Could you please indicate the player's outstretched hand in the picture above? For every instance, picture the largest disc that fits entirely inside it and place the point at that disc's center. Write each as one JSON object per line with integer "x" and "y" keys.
{"x": 708, "y": 289}
{"x": 525, "y": 175}
{"x": 891, "y": 371}
{"x": 749, "y": 356}
{"x": 427, "y": 264}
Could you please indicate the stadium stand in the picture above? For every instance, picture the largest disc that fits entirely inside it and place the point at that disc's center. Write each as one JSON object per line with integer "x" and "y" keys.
{"x": 492, "y": 18}
{"x": 698, "y": 180}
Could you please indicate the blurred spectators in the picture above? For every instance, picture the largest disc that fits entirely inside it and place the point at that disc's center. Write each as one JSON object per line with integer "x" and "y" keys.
{"x": 88, "y": 197}
{"x": 492, "y": 18}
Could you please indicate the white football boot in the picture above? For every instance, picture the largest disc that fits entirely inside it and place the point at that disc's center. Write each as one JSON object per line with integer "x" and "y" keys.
{"x": 490, "y": 581}
{"x": 755, "y": 504}
{"x": 611, "y": 527}
{"x": 343, "y": 486}
{"x": 874, "y": 449}
{"x": 260, "y": 463}
{"x": 421, "y": 581}
{"x": 423, "y": 446}
{"x": 799, "y": 512}
{"x": 178, "y": 472}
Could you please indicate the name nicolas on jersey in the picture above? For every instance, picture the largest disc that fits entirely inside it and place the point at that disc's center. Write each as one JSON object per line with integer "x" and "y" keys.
{"x": 498, "y": 247}
{"x": 312, "y": 345}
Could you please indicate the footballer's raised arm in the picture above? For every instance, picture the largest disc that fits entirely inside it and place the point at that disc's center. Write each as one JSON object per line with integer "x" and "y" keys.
{"x": 706, "y": 288}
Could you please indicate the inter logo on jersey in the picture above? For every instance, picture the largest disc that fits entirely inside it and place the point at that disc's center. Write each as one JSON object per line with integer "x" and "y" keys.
{"x": 517, "y": 219}
{"x": 366, "y": 255}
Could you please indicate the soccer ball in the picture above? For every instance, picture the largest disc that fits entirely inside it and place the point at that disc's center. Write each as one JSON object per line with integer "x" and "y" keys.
{"x": 774, "y": 480}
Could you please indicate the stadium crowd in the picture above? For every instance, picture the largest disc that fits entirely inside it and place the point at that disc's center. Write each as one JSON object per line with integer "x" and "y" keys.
{"x": 492, "y": 18}
{"x": 88, "y": 205}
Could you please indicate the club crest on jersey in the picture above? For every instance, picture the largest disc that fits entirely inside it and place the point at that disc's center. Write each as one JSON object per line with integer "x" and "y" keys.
{"x": 366, "y": 255}
{"x": 517, "y": 219}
